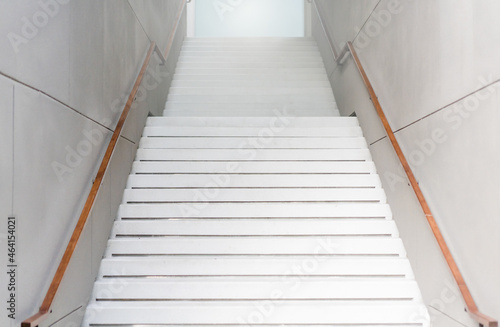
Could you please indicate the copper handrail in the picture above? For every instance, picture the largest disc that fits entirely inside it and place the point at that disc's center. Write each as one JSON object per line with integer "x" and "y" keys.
{"x": 469, "y": 301}
{"x": 472, "y": 309}
{"x": 44, "y": 310}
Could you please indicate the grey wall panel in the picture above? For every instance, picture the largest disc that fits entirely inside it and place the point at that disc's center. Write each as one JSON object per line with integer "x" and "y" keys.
{"x": 323, "y": 43}
{"x": 458, "y": 171}
{"x": 77, "y": 281}
{"x": 55, "y": 163}
{"x": 87, "y": 60}
{"x": 35, "y": 45}
{"x": 125, "y": 46}
{"x": 346, "y": 17}
{"x": 351, "y": 96}
{"x": 433, "y": 67}
{"x": 437, "y": 285}
{"x": 74, "y": 72}
{"x": 6, "y": 173}
{"x": 6, "y": 147}
{"x": 429, "y": 54}
{"x": 156, "y": 13}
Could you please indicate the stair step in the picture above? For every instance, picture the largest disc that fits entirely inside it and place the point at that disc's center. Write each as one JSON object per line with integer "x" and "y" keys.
{"x": 253, "y": 195}
{"x": 254, "y": 167}
{"x": 249, "y": 83}
{"x": 253, "y": 154}
{"x": 256, "y": 210}
{"x": 280, "y": 313}
{"x": 310, "y": 122}
{"x": 254, "y": 227}
{"x": 256, "y": 91}
{"x": 271, "y": 65}
{"x": 256, "y": 245}
{"x": 227, "y": 179}
{"x": 251, "y": 288}
{"x": 281, "y": 41}
{"x": 225, "y": 53}
{"x": 251, "y": 132}
{"x": 251, "y": 143}
{"x": 340, "y": 267}
{"x": 266, "y": 76}
{"x": 248, "y": 109}
{"x": 248, "y": 48}
{"x": 311, "y": 72}
{"x": 194, "y": 110}
{"x": 257, "y": 98}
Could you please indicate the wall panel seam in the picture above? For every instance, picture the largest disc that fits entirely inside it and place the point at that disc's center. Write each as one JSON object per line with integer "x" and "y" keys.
{"x": 55, "y": 99}
{"x": 447, "y": 105}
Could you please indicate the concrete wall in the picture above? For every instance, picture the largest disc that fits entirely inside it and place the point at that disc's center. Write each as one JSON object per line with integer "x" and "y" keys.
{"x": 435, "y": 68}
{"x": 66, "y": 68}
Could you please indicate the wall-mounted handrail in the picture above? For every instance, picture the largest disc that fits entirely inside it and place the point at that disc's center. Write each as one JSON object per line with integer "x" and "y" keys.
{"x": 469, "y": 301}
{"x": 160, "y": 55}
{"x": 44, "y": 310}
{"x": 472, "y": 309}
{"x": 176, "y": 26}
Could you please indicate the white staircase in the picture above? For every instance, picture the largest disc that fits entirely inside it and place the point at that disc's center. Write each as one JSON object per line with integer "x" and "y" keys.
{"x": 253, "y": 221}
{"x": 250, "y": 77}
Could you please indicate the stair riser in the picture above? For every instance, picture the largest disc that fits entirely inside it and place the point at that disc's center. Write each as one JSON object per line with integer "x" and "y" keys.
{"x": 253, "y": 227}
{"x": 256, "y": 210}
{"x": 282, "y": 313}
{"x": 341, "y": 268}
{"x": 329, "y": 122}
{"x": 256, "y": 92}
{"x": 245, "y": 289}
{"x": 231, "y": 179}
{"x": 186, "y": 167}
{"x": 254, "y": 195}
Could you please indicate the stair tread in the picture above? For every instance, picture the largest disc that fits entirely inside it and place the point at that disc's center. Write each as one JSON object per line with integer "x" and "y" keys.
{"x": 249, "y": 143}
{"x": 251, "y": 131}
{"x": 257, "y": 91}
{"x": 304, "y": 122}
{"x": 227, "y": 179}
{"x": 252, "y": 154}
{"x": 254, "y": 288}
{"x": 256, "y": 210}
{"x": 254, "y": 195}
{"x": 255, "y": 167}
{"x": 283, "y": 313}
{"x": 337, "y": 267}
{"x": 256, "y": 245}
{"x": 241, "y": 227}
